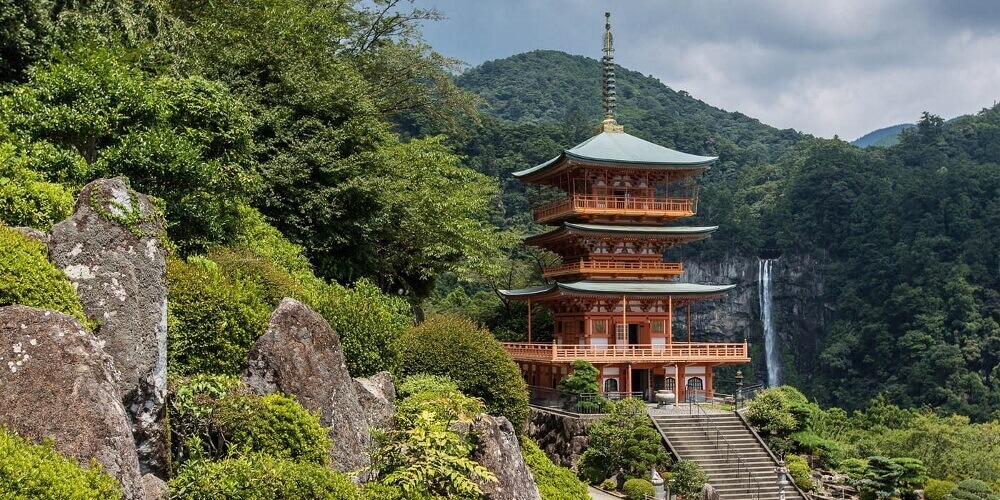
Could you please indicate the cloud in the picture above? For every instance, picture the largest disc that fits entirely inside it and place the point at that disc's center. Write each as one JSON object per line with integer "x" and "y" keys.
{"x": 844, "y": 67}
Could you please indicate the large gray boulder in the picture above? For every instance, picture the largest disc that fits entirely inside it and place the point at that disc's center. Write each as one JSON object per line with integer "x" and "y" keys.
{"x": 301, "y": 355}
{"x": 499, "y": 451}
{"x": 112, "y": 253}
{"x": 377, "y": 395}
{"x": 59, "y": 384}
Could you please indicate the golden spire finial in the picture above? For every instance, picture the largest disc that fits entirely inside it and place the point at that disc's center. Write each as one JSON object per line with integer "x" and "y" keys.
{"x": 609, "y": 124}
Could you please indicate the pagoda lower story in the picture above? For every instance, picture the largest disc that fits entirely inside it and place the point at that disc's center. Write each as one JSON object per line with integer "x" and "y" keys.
{"x": 625, "y": 329}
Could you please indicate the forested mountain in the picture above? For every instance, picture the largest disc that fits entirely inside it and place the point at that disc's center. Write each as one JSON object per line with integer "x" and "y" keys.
{"x": 906, "y": 236}
{"x": 888, "y": 136}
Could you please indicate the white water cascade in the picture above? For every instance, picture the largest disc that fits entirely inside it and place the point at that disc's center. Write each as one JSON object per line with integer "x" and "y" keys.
{"x": 765, "y": 294}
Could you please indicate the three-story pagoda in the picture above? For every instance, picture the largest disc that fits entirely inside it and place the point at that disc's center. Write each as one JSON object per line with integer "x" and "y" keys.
{"x": 613, "y": 299}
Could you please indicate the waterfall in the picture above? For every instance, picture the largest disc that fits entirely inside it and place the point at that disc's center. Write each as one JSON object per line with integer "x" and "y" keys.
{"x": 765, "y": 294}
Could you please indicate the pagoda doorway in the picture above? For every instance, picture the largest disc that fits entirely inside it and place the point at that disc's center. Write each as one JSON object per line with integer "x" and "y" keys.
{"x": 640, "y": 383}
{"x": 633, "y": 333}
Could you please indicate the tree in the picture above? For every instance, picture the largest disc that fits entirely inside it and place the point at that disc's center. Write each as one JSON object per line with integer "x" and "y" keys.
{"x": 687, "y": 478}
{"x": 971, "y": 489}
{"x": 583, "y": 379}
{"x": 881, "y": 478}
{"x": 622, "y": 443}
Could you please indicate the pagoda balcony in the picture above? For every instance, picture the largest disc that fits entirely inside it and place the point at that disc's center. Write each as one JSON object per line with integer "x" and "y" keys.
{"x": 588, "y": 206}
{"x": 677, "y": 352}
{"x": 605, "y": 267}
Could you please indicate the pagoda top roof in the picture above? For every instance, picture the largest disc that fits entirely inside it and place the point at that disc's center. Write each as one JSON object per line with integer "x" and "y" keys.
{"x": 618, "y": 288}
{"x": 619, "y": 148}
{"x": 687, "y": 233}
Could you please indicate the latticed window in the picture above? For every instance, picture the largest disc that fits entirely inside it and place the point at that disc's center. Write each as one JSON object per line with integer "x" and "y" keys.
{"x": 671, "y": 384}
{"x": 657, "y": 326}
{"x": 611, "y": 385}
{"x": 600, "y": 326}
{"x": 695, "y": 383}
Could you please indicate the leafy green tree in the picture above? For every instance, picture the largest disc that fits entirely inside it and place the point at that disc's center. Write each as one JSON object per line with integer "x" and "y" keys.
{"x": 186, "y": 140}
{"x": 881, "y": 478}
{"x": 583, "y": 379}
{"x": 622, "y": 443}
{"x": 687, "y": 478}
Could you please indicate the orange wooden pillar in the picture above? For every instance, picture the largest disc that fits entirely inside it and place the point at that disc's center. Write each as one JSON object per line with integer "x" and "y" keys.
{"x": 681, "y": 389}
{"x": 709, "y": 384}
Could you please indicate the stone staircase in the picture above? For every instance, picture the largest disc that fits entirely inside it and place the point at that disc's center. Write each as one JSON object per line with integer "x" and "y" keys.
{"x": 714, "y": 441}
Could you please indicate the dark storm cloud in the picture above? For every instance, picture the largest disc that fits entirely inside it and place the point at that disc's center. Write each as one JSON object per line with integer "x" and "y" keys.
{"x": 837, "y": 67}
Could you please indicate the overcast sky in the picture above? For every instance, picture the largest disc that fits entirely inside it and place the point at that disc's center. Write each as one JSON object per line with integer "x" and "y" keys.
{"x": 842, "y": 67}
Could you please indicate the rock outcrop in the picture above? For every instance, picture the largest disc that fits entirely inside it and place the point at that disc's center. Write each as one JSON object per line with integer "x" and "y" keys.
{"x": 708, "y": 493}
{"x": 301, "y": 355}
{"x": 499, "y": 451}
{"x": 34, "y": 234}
{"x": 112, "y": 254}
{"x": 377, "y": 395}
{"x": 562, "y": 437}
{"x": 58, "y": 383}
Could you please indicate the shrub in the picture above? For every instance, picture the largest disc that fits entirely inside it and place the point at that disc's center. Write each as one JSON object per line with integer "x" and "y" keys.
{"x": 799, "y": 471}
{"x": 854, "y": 468}
{"x": 25, "y": 198}
{"x": 274, "y": 424}
{"x": 371, "y": 325}
{"x": 637, "y": 489}
{"x": 213, "y": 320}
{"x": 771, "y": 411}
{"x": 688, "y": 477}
{"x": 445, "y": 401}
{"x": 216, "y": 417}
{"x": 38, "y": 471}
{"x": 971, "y": 489}
{"x": 936, "y": 489}
{"x": 458, "y": 348}
{"x": 554, "y": 482}
{"x": 609, "y": 484}
{"x": 622, "y": 443}
{"x": 427, "y": 457}
{"x": 259, "y": 477}
{"x": 28, "y": 278}
{"x": 423, "y": 382}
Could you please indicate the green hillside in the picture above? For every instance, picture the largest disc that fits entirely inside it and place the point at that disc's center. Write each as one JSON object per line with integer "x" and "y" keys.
{"x": 888, "y": 136}
{"x": 906, "y": 236}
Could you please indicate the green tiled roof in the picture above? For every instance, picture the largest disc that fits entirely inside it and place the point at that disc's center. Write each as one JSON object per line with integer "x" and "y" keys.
{"x": 665, "y": 230}
{"x": 684, "y": 290}
{"x": 619, "y": 147}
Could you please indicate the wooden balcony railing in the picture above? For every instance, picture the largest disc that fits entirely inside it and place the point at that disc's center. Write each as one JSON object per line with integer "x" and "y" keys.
{"x": 586, "y": 204}
{"x": 653, "y": 353}
{"x": 612, "y": 267}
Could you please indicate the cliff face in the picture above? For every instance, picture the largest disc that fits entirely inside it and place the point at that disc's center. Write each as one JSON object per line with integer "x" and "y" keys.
{"x": 801, "y": 312}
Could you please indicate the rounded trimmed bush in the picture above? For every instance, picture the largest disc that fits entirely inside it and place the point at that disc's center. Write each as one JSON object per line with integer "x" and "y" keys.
{"x": 38, "y": 471}
{"x": 274, "y": 424}
{"x": 28, "y": 278}
{"x": 971, "y": 489}
{"x": 216, "y": 417}
{"x": 554, "y": 482}
{"x": 936, "y": 489}
{"x": 26, "y": 199}
{"x": 473, "y": 358}
{"x": 798, "y": 469}
{"x": 259, "y": 477}
{"x": 637, "y": 489}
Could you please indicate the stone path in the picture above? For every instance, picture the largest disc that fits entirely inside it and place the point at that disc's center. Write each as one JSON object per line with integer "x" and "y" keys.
{"x": 597, "y": 494}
